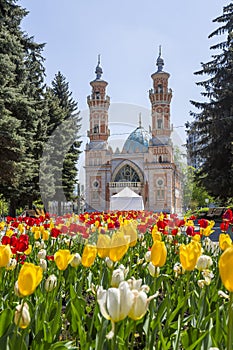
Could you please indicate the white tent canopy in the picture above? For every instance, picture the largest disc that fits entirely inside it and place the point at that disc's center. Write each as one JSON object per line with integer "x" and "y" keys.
{"x": 126, "y": 200}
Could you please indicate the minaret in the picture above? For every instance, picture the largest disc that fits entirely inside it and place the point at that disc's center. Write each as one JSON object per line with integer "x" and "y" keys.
{"x": 160, "y": 97}
{"x": 98, "y": 104}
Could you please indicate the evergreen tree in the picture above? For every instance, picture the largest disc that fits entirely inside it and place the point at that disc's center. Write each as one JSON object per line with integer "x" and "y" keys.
{"x": 214, "y": 124}
{"x": 20, "y": 109}
{"x": 63, "y": 129}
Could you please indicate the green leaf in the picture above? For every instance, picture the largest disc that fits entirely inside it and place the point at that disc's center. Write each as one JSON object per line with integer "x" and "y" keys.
{"x": 5, "y": 321}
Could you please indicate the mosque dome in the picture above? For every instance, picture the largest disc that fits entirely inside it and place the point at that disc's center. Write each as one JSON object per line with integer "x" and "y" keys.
{"x": 137, "y": 142}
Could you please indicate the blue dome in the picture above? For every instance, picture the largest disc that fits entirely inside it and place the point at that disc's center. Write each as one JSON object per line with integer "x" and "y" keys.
{"x": 137, "y": 142}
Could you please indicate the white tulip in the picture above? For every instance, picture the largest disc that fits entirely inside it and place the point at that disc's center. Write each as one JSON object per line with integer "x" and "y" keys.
{"x": 42, "y": 254}
{"x": 115, "y": 303}
{"x": 117, "y": 277}
{"x": 12, "y": 264}
{"x": 204, "y": 262}
{"x": 148, "y": 256}
{"x": 50, "y": 283}
{"x": 76, "y": 261}
{"x": 43, "y": 264}
{"x": 22, "y": 316}
{"x": 109, "y": 262}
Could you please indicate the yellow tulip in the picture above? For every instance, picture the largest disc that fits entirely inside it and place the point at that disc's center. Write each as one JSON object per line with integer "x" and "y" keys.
{"x": 5, "y": 255}
{"x": 89, "y": 255}
{"x": 225, "y": 268}
{"x": 196, "y": 238}
{"x": 29, "y": 278}
{"x": 45, "y": 235}
{"x": 29, "y": 250}
{"x": 158, "y": 253}
{"x": 9, "y": 232}
{"x": 130, "y": 229}
{"x": 119, "y": 246}
{"x": 103, "y": 245}
{"x": 37, "y": 234}
{"x": 189, "y": 254}
{"x": 62, "y": 258}
{"x": 224, "y": 241}
{"x": 156, "y": 235}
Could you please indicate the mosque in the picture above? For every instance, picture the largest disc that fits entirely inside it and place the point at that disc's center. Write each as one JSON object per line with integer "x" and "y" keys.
{"x": 146, "y": 162}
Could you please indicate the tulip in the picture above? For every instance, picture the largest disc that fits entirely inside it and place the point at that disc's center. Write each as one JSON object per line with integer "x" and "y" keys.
{"x": 22, "y": 316}
{"x": 29, "y": 278}
{"x": 50, "y": 283}
{"x": 42, "y": 254}
{"x": 119, "y": 246}
{"x": 148, "y": 256}
{"x": 43, "y": 264}
{"x": 117, "y": 277}
{"x": 109, "y": 262}
{"x": 62, "y": 258}
{"x": 11, "y": 265}
{"x": 140, "y": 304}
{"x": 130, "y": 230}
{"x": 154, "y": 271}
{"x": 5, "y": 255}
{"x": 158, "y": 253}
{"x": 115, "y": 303}
{"x": 204, "y": 262}
{"x": 189, "y": 254}
{"x": 89, "y": 255}
{"x": 225, "y": 268}
{"x": 224, "y": 241}
{"x": 103, "y": 245}
{"x": 76, "y": 261}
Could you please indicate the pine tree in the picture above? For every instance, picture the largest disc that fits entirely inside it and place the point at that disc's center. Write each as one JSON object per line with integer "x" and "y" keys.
{"x": 214, "y": 124}
{"x": 63, "y": 130}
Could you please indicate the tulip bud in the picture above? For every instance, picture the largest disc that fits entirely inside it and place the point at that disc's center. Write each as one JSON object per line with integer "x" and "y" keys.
{"x": 50, "y": 283}
{"x": 117, "y": 277}
{"x": 41, "y": 254}
{"x": 22, "y": 316}
{"x": 16, "y": 290}
{"x": 76, "y": 261}
{"x": 12, "y": 264}
{"x": 109, "y": 262}
{"x": 158, "y": 253}
{"x": 154, "y": 271}
{"x": 43, "y": 264}
{"x": 148, "y": 256}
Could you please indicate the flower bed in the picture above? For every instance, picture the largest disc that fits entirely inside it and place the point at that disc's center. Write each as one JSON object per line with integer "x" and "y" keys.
{"x": 116, "y": 280}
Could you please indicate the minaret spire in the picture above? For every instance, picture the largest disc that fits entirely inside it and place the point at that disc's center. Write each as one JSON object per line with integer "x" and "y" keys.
{"x": 160, "y": 61}
{"x": 98, "y": 70}
{"x": 140, "y": 120}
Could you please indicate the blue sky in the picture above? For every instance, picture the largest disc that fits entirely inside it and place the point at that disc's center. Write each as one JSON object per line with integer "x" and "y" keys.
{"x": 127, "y": 34}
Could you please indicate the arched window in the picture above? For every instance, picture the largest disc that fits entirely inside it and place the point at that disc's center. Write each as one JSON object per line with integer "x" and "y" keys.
{"x": 127, "y": 174}
{"x": 159, "y": 123}
{"x": 160, "y": 159}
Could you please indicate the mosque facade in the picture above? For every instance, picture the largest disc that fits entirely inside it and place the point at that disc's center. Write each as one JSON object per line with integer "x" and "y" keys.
{"x": 146, "y": 162}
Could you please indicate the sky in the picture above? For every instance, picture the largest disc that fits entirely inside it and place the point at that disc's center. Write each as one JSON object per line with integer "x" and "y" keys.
{"x": 127, "y": 34}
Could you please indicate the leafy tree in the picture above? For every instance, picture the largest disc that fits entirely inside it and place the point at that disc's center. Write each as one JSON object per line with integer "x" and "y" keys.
{"x": 213, "y": 125}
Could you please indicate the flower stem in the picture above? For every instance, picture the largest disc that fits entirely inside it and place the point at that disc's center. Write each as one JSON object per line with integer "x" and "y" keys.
{"x": 230, "y": 323}
{"x": 133, "y": 336}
